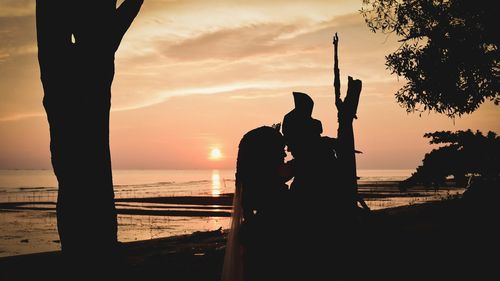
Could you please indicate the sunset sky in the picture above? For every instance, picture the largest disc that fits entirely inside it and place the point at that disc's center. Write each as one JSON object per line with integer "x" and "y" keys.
{"x": 194, "y": 76}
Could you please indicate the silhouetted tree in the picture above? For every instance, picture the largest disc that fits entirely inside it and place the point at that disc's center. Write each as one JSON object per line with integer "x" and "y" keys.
{"x": 448, "y": 54}
{"x": 464, "y": 153}
{"x": 77, "y": 41}
{"x": 346, "y": 113}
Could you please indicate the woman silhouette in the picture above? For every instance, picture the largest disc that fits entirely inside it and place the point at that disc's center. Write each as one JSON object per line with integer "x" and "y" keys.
{"x": 259, "y": 207}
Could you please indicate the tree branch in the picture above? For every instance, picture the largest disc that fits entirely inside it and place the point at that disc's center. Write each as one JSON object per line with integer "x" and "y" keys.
{"x": 125, "y": 15}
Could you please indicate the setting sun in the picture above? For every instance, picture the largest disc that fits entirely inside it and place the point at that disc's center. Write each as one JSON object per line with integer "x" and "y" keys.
{"x": 215, "y": 154}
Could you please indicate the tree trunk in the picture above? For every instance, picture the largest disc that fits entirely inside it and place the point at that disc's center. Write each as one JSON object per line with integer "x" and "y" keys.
{"x": 346, "y": 114}
{"x": 77, "y": 41}
{"x": 347, "y": 109}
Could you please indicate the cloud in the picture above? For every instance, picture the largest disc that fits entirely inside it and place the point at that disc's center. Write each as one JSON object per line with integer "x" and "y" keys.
{"x": 179, "y": 48}
{"x": 20, "y": 87}
{"x": 258, "y": 56}
{"x": 233, "y": 43}
{"x": 18, "y": 35}
{"x": 21, "y": 117}
{"x": 17, "y": 8}
{"x": 261, "y": 55}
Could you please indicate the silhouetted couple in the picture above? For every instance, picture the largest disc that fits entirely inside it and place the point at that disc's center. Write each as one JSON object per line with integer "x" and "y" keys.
{"x": 299, "y": 233}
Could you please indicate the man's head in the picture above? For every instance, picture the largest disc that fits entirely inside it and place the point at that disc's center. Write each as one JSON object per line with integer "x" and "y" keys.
{"x": 303, "y": 103}
{"x": 299, "y": 128}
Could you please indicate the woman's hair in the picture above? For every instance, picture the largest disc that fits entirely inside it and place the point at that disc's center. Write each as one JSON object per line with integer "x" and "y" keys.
{"x": 256, "y": 152}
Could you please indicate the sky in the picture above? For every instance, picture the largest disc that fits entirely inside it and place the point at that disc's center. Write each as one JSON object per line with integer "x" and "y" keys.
{"x": 194, "y": 76}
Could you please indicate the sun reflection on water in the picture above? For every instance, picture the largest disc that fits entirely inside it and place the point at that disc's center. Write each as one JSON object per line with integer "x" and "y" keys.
{"x": 216, "y": 184}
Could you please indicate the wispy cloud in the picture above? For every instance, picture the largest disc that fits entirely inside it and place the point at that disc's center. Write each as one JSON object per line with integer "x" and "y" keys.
{"x": 17, "y": 117}
{"x": 17, "y": 8}
{"x": 190, "y": 47}
{"x": 286, "y": 52}
{"x": 18, "y": 35}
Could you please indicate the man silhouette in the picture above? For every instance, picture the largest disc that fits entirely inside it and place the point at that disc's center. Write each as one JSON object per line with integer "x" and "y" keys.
{"x": 319, "y": 199}
{"x": 314, "y": 160}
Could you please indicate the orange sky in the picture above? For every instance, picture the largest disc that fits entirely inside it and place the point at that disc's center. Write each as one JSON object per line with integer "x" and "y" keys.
{"x": 196, "y": 75}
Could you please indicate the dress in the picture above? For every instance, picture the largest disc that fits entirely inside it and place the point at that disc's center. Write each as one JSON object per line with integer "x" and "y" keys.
{"x": 255, "y": 240}
{"x": 233, "y": 258}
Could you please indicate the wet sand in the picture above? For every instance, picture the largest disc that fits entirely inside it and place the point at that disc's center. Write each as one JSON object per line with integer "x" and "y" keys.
{"x": 29, "y": 226}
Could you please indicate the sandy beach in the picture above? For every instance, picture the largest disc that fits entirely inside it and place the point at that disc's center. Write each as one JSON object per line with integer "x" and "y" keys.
{"x": 417, "y": 233}
{"x": 29, "y": 223}
{"x": 430, "y": 240}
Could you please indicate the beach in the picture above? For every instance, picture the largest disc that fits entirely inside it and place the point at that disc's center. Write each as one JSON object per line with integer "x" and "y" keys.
{"x": 425, "y": 241}
{"x": 184, "y": 232}
{"x": 160, "y": 205}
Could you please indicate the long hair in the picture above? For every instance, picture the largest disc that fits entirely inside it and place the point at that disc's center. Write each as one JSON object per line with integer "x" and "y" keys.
{"x": 256, "y": 152}
{"x": 254, "y": 149}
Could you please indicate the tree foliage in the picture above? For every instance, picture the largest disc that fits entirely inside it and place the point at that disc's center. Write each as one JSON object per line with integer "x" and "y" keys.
{"x": 464, "y": 152}
{"x": 448, "y": 53}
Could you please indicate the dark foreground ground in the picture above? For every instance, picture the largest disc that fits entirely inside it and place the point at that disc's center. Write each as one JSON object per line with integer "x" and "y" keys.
{"x": 447, "y": 240}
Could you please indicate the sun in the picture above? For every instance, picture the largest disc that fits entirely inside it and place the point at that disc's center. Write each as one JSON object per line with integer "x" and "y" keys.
{"x": 215, "y": 154}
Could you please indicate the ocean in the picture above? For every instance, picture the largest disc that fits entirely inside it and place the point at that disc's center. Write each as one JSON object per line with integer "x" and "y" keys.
{"x": 27, "y": 203}
{"x": 18, "y": 185}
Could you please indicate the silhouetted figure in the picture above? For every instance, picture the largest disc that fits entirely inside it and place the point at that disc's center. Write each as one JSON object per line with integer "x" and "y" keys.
{"x": 77, "y": 41}
{"x": 316, "y": 164}
{"x": 257, "y": 238}
{"x": 319, "y": 196}
{"x": 314, "y": 161}
{"x": 324, "y": 188}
